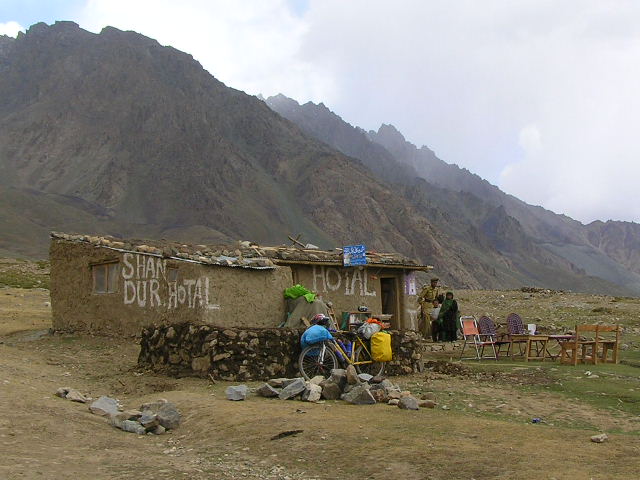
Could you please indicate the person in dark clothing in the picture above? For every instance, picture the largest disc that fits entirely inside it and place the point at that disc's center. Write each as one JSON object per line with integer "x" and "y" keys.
{"x": 448, "y": 319}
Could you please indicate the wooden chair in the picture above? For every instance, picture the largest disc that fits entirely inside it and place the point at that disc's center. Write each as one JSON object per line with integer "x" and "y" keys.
{"x": 608, "y": 344}
{"x": 473, "y": 336}
{"x": 580, "y": 349}
{"x": 488, "y": 329}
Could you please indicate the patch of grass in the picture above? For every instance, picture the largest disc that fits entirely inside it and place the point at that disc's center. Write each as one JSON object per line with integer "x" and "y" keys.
{"x": 602, "y": 310}
{"x": 23, "y": 280}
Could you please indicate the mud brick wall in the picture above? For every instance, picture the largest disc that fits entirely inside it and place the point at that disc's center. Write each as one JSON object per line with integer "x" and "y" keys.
{"x": 241, "y": 354}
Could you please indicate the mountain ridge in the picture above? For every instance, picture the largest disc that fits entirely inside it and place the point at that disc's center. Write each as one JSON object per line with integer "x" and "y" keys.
{"x": 453, "y": 191}
{"x": 113, "y": 133}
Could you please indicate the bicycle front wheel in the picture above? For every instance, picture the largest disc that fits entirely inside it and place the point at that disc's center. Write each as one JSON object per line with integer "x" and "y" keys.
{"x": 316, "y": 360}
{"x": 372, "y": 368}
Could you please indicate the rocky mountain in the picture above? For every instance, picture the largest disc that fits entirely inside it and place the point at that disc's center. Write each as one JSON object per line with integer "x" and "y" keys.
{"x": 536, "y": 244}
{"x": 115, "y": 134}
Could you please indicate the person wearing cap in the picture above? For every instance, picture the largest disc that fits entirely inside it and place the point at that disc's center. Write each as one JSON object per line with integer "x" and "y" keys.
{"x": 428, "y": 294}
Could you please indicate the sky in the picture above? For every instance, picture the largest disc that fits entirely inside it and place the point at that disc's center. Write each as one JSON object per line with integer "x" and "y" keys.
{"x": 540, "y": 97}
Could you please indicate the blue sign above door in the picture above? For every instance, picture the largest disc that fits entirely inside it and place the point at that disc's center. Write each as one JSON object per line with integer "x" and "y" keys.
{"x": 353, "y": 255}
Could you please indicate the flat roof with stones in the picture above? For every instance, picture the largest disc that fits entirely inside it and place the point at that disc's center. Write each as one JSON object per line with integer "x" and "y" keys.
{"x": 243, "y": 254}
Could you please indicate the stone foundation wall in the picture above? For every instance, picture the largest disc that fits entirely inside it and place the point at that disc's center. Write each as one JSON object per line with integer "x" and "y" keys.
{"x": 240, "y": 354}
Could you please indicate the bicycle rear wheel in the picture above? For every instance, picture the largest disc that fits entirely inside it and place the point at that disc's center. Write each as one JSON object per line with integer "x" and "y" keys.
{"x": 316, "y": 360}
{"x": 373, "y": 368}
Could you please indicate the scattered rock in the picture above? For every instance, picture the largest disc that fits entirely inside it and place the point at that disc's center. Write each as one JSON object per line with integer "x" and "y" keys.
{"x": 104, "y": 406}
{"x": 71, "y": 394}
{"x": 352, "y": 375}
{"x": 393, "y": 401}
{"x": 317, "y": 380}
{"x": 167, "y": 413}
{"x": 365, "y": 377}
{"x": 393, "y": 394}
{"x": 62, "y": 392}
{"x": 128, "y": 415}
{"x": 236, "y": 392}
{"x": 75, "y": 396}
{"x": 133, "y": 427}
{"x": 603, "y": 437}
{"x": 377, "y": 379}
{"x": 427, "y": 404}
{"x": 268, "y": 391}
{"x": 293, "y": 389}
{"x": 339, "y": 377}
{"x": 379, "y": 395}
{"x": 277, "y": 382}
{"x": 408, "y": 403}
{"x": 359, "y": 395}
{"x": 312, "y": 393}
{"x": 428, "y": 396}
{"x": 288, "y": 381}
{"x": 330, "y": 390}
{"x": 148, "y": 421}
{"x": 159, "y": 430}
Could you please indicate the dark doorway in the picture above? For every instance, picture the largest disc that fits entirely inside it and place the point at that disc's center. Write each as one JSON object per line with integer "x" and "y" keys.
{"x": 389, "y": 291}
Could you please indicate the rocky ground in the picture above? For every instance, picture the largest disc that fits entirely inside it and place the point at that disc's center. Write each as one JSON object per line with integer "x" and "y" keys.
{"x": 481, "y": 428}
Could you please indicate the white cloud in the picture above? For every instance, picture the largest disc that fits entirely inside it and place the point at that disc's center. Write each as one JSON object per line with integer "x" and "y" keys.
{"x": 249, "y": 45}
{"x": 11, "y": 28}
{"x": 538, "y": 96}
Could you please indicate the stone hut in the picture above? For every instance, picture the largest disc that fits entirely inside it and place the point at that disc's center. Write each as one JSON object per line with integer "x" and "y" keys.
{"x": 105, "y": 285}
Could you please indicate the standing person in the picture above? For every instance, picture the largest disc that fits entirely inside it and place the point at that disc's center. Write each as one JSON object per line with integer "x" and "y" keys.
{"x": 428, "y": 294}
{"x": 435, "y": 311}
{"x": 448, "y": 318}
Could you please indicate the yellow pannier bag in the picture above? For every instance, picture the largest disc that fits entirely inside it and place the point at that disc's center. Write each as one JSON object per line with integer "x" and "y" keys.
{"x": 381, "y": 347}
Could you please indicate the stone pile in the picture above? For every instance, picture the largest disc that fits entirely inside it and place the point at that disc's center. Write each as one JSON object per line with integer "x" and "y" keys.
{"x": 151, "y": 418}
{"x": 541, "y": 290}
{"x": 154, "y": 417}
{"x": 242, "y": 354}
{"x": 346, "y": 385}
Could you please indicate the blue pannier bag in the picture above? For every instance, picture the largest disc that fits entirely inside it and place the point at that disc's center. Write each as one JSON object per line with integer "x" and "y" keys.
{"x": 314, "y": 334}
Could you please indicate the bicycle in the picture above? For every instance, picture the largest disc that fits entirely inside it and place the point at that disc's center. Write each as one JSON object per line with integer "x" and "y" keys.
{"x": 321, "y": 358}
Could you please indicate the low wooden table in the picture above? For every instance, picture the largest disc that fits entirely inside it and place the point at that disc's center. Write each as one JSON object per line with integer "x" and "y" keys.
{"x": 558, "y": 339}
{"x": 535, "y": 346}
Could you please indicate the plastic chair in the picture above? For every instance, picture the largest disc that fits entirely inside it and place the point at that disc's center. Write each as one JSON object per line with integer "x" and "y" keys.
{"x": 473, "y": 336}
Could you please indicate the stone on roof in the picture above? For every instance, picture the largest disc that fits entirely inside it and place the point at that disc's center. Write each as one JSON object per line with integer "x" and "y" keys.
{"x": 243, "y": 254}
